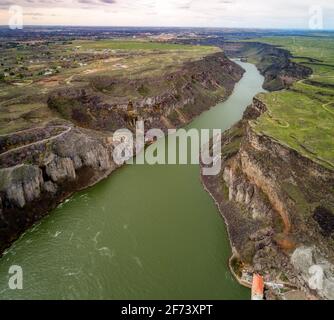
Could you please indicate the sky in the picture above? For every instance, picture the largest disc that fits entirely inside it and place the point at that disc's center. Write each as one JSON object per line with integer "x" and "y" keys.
{"x": 296, "y": 14}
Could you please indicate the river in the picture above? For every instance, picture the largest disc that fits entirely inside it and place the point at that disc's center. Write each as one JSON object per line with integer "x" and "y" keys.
{"x": 146, "y": 232}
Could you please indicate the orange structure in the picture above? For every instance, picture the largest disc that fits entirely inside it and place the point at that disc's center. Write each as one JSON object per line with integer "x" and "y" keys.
{"x": 257, "y": 287}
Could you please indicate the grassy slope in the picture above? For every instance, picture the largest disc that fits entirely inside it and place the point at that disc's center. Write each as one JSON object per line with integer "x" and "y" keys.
{"x": 303, "y": 117}
{"x": 22, "y": 101}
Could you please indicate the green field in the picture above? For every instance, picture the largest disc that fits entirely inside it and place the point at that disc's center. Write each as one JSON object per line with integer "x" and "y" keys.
{"x": 134, "y": 45}
{"x": 303, "y": 116}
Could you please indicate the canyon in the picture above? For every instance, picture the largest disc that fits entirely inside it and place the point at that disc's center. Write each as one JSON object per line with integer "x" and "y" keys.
{"x": 276, "y": 199}
{"x": 40, "y": 168}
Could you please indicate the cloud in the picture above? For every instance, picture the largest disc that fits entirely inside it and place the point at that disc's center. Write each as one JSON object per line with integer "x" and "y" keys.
{"x": 97, "y": 2}
{"x": 108, "y": 1}
{"x": 6, "y": 4}
{"x": 209, "y": 13}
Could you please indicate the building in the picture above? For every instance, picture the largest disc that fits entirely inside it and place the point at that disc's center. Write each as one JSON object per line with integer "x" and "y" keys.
{"x": 257, "y": 287}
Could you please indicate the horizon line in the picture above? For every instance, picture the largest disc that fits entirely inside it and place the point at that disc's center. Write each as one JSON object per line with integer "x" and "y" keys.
{"x": 169, "y": 27}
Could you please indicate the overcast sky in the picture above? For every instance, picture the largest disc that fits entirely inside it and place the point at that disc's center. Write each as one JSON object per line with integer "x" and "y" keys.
{"x": 193, "y": 13}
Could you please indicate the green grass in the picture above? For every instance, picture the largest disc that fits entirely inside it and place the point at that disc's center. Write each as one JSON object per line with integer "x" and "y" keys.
{"x": 22, "y": 116}
{"x": 300, "y": 122}
{"x": 135, "y": 45}
{"x": 302, "y": 116}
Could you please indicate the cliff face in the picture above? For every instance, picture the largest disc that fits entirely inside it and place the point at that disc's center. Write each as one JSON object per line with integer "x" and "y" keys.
{"x": 274, "y": 63}
{"x": 169, "y": 101}
{"x": 35, "y": 178}
{"x": 278, "y": 207}
{"x": 40, "y": 167}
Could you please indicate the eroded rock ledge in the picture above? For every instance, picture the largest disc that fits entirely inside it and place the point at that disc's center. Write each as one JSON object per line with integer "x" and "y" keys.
{"x": 278, "y": 207}
{"x": 33, "y": 180}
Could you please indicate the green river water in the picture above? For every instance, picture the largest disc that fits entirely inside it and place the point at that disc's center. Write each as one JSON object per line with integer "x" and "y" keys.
{"x": 146, "y": 232}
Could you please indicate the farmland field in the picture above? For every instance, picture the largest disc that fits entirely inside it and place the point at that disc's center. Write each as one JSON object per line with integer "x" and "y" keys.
{"x": 303, "y": 116}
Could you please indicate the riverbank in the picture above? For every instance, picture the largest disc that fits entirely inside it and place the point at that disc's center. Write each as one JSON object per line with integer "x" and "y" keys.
{"x": 234, "y": 255}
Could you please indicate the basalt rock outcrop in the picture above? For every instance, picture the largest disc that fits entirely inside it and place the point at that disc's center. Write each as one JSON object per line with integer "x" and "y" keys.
{"x": 34, "y": 179}
{"x": 278, "y": 207}
{"x": 169, "y": 101}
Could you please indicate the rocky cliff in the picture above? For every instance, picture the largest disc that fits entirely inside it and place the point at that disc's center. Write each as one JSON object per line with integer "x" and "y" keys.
{"x": 278, "y": 206}
{"x": 273, "y": 63}
{"x": 169, "y": 101}
{"x": 36, "y": 177}
{"x": 40, "y": 167}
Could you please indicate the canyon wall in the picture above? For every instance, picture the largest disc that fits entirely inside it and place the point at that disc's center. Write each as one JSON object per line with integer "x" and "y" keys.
{"x": 278, "y": 206}
{"x": 168, "y": 101}
{"x": 273, "y": 63}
